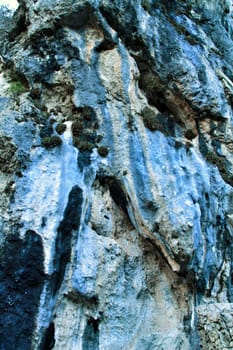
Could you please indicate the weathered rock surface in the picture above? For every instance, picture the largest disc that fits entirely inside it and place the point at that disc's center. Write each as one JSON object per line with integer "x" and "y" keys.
{"x": 116, "y": 175}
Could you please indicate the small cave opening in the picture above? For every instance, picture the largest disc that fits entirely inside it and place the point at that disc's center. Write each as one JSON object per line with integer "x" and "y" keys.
{"x": 91, "y": 335}
{"x": 116, "y": 189}
{"x": 105, "y": 45}
{"x": 49, "y": 338}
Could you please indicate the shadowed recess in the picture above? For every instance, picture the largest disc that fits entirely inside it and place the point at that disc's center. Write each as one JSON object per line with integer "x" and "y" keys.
{"x": 71, "y": 221}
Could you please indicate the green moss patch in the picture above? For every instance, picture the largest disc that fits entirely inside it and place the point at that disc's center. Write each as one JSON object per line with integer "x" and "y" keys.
{"x": 16, "y": 88}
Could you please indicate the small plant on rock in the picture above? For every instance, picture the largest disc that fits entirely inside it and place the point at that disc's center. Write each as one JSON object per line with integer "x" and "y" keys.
{"x": 60, "y": 128}
{"x": 16, "y": 88}
{"x": 103, "y": 151}
{"x": 77, "y": 128}
{"x": 51, "y": 141}
{"x": 83, "y": 146}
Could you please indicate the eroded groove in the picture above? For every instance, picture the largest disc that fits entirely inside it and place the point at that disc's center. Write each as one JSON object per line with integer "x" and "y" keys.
{"x": 70, "y": 222}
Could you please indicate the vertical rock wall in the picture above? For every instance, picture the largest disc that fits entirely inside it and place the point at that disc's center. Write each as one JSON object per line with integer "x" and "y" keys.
{"x": 116, "y": 176}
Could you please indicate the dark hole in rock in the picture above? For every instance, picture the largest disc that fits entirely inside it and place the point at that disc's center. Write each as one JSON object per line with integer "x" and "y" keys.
{"x": 49, "y": 339}
{"x": 71, "y": 221}
{"x": 116, "y": 191}
{"x": 91, "y": 335}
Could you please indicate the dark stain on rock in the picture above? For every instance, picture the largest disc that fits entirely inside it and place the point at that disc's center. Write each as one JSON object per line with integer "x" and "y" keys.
{"x": 49, "y": 339}
{"x": 8, "y": 160}
{"x": 91, "y": 335}
{"x": 21, "y": 283}
{"x": 71, "y": 221}
{"x": 84, "y": 159}
{"x": 116, "y": 190}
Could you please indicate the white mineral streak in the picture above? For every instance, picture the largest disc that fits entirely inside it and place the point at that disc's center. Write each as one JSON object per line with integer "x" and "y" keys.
{"x": 47, "y": 184}
{"x": 63, "y": 173}
{"x": 11, "y": 4}
{"x": 3, "y": 84}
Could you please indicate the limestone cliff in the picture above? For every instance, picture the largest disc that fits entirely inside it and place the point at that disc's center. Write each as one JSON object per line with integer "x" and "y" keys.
{"x": 116, "y": 174}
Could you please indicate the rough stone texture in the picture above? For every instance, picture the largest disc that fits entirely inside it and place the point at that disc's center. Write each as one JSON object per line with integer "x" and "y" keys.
{"x": 132, "y": 250}
{"x": 215, "y": 326}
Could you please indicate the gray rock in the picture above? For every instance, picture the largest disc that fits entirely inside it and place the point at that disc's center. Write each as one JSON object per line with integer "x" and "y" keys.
{"x": 134, "y": 248}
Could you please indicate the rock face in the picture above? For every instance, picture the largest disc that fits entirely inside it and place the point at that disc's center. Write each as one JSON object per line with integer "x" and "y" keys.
{"x": 116, "y": 175}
